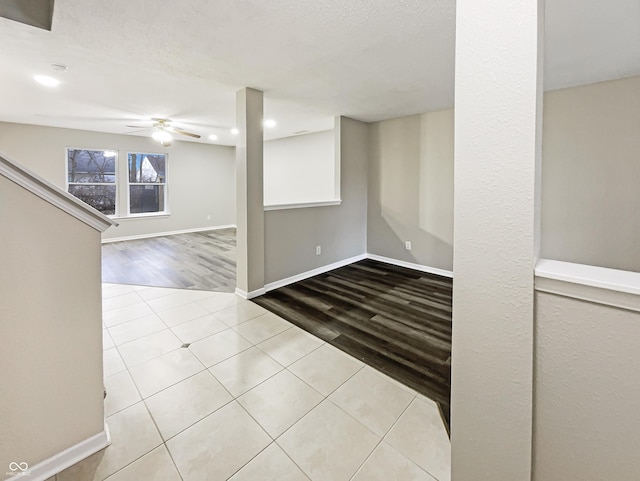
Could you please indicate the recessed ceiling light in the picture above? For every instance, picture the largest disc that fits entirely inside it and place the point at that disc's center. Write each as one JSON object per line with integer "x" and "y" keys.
{"x": 213, "y": 137}
{"x": 270, "y": 123}
{"x": 235, "y": 131}
{"x": 46, "y": 80}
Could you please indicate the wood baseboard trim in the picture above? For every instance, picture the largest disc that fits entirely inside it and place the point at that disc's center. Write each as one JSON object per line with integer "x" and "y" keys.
{"x": 411, "y": 265}
{"x": 162, "y": 234}
{"x": 76, "y": 453}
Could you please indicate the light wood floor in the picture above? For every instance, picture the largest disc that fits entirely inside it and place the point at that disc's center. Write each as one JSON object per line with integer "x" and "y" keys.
{"x": 201, "y": 260}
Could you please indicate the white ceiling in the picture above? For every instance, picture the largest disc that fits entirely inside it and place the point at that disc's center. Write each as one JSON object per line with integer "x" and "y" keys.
{"x": 135, "y": 59}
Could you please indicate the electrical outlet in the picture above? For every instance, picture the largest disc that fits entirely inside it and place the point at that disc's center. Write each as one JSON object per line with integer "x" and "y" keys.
{"x": 407, "y": 245}
{"x": 318, "y": 250}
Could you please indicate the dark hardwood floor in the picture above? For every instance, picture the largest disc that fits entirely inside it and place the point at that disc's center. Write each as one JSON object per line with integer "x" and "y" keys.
{"x": 395, "y": 319}
{"x": 201, "y": 260}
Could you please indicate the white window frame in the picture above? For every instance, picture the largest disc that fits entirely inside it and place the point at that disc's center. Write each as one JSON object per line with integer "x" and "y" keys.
{"x": 165, "y": 210}
{"x": 115, "y": 183}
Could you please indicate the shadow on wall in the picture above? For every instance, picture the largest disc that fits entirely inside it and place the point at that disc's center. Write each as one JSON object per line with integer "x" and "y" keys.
{"x": 426, "y": 248}
{"x": 411, "y": 189}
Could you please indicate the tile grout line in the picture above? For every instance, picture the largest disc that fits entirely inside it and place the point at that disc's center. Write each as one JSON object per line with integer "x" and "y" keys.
{"x": 274, "y": 440}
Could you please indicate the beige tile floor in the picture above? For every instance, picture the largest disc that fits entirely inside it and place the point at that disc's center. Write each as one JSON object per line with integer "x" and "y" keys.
{"x": 252, "y": 397}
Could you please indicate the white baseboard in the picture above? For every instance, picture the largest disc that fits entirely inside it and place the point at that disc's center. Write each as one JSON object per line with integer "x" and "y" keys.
{"x": 314, "y": 272}
{"x": 61, "y": 461}
{"x": 321, "y": 270}
{"x": 411, "y": 265}
{"x": 173, "y": 232}
{"x": 249, "y": 295}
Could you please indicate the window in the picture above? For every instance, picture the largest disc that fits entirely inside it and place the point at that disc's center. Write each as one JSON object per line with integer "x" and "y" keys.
{"x": 147, "y": 182}
{"x": 91, "y": 177}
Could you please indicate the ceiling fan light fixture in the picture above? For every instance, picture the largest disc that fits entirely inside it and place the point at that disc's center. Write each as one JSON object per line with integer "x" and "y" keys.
{"x": 162, "y": 136}
{"x": 213, "y": 137}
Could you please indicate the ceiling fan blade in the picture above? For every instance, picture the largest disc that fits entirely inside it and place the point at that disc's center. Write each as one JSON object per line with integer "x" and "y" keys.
{"x": 138, "y": 126}
{"x": 136, "y": 131}
{"x": 183, "y": 132}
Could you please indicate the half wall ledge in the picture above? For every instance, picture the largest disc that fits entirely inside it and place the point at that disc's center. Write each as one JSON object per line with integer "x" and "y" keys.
{"x": 612, "y": 287}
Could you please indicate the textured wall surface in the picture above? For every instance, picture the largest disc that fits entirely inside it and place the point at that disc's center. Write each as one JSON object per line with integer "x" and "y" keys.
{"x": 591, "y": 169}
{"x": 411, "y": 189}
{"x": 291, "y": 236}
{"x": 201, "y": 177}
{"x": 51, "y": 324}
{"x": 498, "y": 95}
{"x": 587, "y": 420}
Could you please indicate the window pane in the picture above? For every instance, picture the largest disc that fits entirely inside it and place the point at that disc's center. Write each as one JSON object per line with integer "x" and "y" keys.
{"x": 147, "y": 168}
{"x": 146, "y": 198}
{"x": 100, "y": 197}
{"x": 91, "y": 166}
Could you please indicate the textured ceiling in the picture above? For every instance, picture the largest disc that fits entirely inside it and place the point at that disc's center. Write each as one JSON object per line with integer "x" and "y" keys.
{"x": 370, "y": 60}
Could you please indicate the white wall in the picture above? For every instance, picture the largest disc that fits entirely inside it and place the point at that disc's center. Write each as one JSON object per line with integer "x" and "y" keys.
{"x": 201, "y": 177}
{"x": 300, "y": 169}
{"x": 291, "y": 235}
{"x": 586, "y": 414}
{"x": 591, "y": 175}
{"x": 51, "y": 324}
{"x": 411, "y": 189}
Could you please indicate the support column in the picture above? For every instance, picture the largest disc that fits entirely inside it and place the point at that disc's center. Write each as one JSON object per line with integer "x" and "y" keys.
{"x": 249, "y": 194}
{"x": 498, "y": 115}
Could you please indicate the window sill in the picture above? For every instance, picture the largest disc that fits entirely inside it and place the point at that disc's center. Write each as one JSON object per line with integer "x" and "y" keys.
{"x": 302, "y": 205}
{"x": 151, "y": 215}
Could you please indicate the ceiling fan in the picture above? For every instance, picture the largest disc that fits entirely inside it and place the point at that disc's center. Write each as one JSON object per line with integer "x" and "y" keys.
{"x": 162, "y": 130}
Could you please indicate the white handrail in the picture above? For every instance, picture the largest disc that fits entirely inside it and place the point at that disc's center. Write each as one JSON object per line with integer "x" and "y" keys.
{"x": 44, "y": 189}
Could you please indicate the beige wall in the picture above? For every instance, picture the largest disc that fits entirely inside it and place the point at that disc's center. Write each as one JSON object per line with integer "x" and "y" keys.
{"x": 586, "y": 415}
{"x": 591, "y": 175}
{"x": 201, "y": 176}
{"x": 50, "y": 312}
{"x": 411, "y": 189}
{"x": 291, "y": 235}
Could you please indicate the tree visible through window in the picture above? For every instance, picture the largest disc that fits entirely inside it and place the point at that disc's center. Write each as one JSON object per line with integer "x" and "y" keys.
{"x": 147, "y": 182}
{"x": 91, "y": 177}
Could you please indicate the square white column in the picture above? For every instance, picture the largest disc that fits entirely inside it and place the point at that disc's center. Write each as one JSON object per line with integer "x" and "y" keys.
{"x": 498, "y": 111}
{"x": 249, "y": 193}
